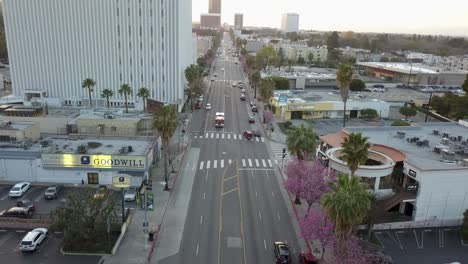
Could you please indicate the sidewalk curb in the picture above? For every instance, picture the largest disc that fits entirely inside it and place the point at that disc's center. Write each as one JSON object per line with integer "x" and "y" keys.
{"x": 156, "y": 239}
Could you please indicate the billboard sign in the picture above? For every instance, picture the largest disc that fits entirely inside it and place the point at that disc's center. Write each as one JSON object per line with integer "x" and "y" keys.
{"x": 94, "y": 161}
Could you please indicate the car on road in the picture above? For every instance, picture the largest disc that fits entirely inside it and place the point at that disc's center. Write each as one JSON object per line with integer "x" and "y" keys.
{"x": 256, "y": 133}
{"x": 282, "y": 253}
{"x": 53, "y": 191}
{"x": 33, "y": 239}
{"x": 215, "y": 75}
{"x": 26, "y": 204}
{"x": 101, "y": 191}
{"x": 307, "y": 258}
{"x": 252, "y": 104}
{"x": 19, "y": 189}
{"x": 242, "y": 97}
{"x": 208, "y": 106}
{"x": 234, "y": 84}
{"x": 243, "y": 91}
{"x": 254, "y": 108}
{"x": 198, "y": 105}
{"x": 200, "y": 98}
{"x": 20, "y": 212}
{"x": 251, "y": 119}
{"x": 248, "y": 135}
{"x": 212, "y": 79}
{"x": 130, "y": 194}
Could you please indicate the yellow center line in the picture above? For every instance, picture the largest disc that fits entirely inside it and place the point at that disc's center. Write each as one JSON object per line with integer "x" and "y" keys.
{"x": 221, "y": 212}
{"x": 241, "y": 215}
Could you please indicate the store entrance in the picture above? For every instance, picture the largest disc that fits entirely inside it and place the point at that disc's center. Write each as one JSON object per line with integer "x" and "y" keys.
{"x": 296, "y": 115}
{"x": 93, "y": 178}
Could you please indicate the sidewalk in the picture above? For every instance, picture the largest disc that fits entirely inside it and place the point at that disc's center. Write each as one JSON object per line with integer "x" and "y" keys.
{"x": 135, "y": 247}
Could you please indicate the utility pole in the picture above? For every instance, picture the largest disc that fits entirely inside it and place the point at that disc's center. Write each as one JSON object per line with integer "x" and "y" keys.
{"x": 428, "y": 107}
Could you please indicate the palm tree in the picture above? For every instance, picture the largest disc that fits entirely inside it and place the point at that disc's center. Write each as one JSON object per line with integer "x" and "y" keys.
{"x": 143, "y": 93}
{"x": 344, "y": 76}
{"x": 89, "y": 84}
{"x": 165, "y": 122}
{"x": 125, "y": 90}
{"x": 355, "y": 151}
{"x": 347, "y": 204}
{"x": 193, "y": 77}
{"x": 301, "y": 141}
{"x": 254, "y": 79}
{"x": 267, "y": 89}
{"x": 106, "y": 93}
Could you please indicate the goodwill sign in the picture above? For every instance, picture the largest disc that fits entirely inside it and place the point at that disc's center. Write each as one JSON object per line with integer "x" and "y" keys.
{"x": 94, "y": 161}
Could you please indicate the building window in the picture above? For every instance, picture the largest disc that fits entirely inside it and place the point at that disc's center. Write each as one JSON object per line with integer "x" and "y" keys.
{"x": 163, "y": 62}
{"x": 152, "y": 77}
{"x": 130, "y": 62}
{"x": 151, "y": 12}
{"x": 162, "y": 46}
{"x": 117, "y": 11}
{"x": 151, "y": 29}
{"x": 141, "y": 77}
{"x": 131, "y": 77}
{"x": 120, "y": 61}
{"x": 162, "y": 32}
{"x": 93, "y": 178}
{"x": 120, "y": 76}
{"x": 129, "y": 11}
{"x": 141, "y": 62}
{"x": 113, "y": 128}
{"x": 139, "y": 11}
{"x": 129, "y": 30}
{"x": 151, "y": 45}
{"x": 119, "y": 44}
{"x": 141, "y": 31}
{"x": 130, "y": 45}
{"x": 141, "y": 45}
{"x": 118, "y": 30}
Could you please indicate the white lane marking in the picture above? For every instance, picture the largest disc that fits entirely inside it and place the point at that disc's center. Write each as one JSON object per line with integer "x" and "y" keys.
{"x": 4, "y": 197}
{"x": 250, "y": 163}
{"x": 256, "y": 138}
{"x": 264, "y": 243}
{"x": 276, "y": 161}
{"x": 206, "y": 135}
{"x": 204, "y": 196}
{"x": 229, "y": 161}
{"x": 257, "y": 164}
{"x": 269, "y": 163}
{"x": 264, "y": 163}
{"x": 229, "y": 136}
{"x": 279, "y": 218}
{"x": 235, "y": 136}
{"x": 196, "y": 252}
{"x": 201, "y": 165}
{"x": 208, "y": 164}
{"x": 38, "y": 198}
{"x": 222, "y": 163}
{"x": 195, "y": 136}
{"x": 263, "y": 140}
{"x": 272, "y": 194}
{"x": 256, "y": 194}
{"x": 215, "y": 164}
{"x": 212, "y": 135}
{"x": 222, "y": 136}
{"x": 217, "y": 135}
{"x": 240, "y": 136}
{"x": 260, "y": 215}
{"x": 243, "y": 162}
{"x": 201, "y": 136}
{"x": 201, "y": 219}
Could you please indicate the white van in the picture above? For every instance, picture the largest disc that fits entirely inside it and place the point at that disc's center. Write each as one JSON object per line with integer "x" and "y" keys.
{"x": 33, "y": 239}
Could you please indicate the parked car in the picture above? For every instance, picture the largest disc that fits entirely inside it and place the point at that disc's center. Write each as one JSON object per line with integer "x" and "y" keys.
{"x": 307, "y": 258}
{"x": 130, "y": 194}
{"x": 53, "y": 191}
{"x": 212, "y": 79}
{"x": 248, "y": 135}
{"x": 243, "y": 91}
{"x": 26, "y": 203}
{"x": 208, "y": 106}
{"x": 101, "y": 191}
{"x": 251, "y": 119}
{"x": 33, "y": 239}
{"x": 20, "y": 212}
{"x": 215, "y": 75}
{"x": 282, "y": 253}
{"x": 198, "y": 105}
{"x": 242, "y": 97}
{"x": 234, "y": 84}
{"x": 200, "y": 98}
{"x": 19, "y": 189}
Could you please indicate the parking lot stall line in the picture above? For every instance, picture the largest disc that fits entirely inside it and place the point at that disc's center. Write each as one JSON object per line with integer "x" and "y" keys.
{"x": 416, "y": 237}
{"x": 215, "y": 164}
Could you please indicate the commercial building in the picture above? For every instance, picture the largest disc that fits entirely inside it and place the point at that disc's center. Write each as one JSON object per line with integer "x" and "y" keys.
{"x": 140, "y": 43}
{"x": 19, "y": 131}
{"x": 214, "y": 7}
{"x": 290, "y": 22}
{"x": 300, "y": 80}
{"x": 305, "y": 105}
{"x": 210, "y": 21}
{"x": 294, "y": 51}
{"x": 238, "y": 21}
{"x": 419, "y": 172}
{"x": 413, "y": 73}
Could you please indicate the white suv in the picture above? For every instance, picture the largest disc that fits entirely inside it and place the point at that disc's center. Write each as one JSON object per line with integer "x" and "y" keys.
{"x": 33, "y": 239}
{"x": 19, "y": 189}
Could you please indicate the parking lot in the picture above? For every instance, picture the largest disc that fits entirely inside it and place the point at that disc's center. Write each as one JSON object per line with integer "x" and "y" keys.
{"x": 424, "y": 245}
{"x": 48, "y": 252}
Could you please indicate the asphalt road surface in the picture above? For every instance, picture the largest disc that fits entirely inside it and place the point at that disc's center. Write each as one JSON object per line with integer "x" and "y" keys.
{"x": 236, "y": 210}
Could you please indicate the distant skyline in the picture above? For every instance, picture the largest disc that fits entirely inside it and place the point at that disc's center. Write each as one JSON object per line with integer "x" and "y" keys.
{"x": 433, "y": 17}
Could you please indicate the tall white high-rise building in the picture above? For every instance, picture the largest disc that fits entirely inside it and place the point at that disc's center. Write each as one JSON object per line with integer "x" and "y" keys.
{"x": 238, "y": 21}
{"x": 54, "y": 45}
{"x": 290, "y": 22}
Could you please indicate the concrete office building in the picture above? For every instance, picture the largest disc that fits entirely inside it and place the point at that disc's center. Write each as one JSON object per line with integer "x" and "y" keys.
{"x": 238, "y": 21}
{"x": 215, "y": 7}
{"x": 210, "y": 21}
{"x": 290, "y": 22}
{"x": 53, "y": 46}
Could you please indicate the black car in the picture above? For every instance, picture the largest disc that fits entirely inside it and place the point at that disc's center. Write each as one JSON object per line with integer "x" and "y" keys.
{"x": 20, "y": 212}
{"x": 53, "y": 191}
{"x": 282, "y": 254}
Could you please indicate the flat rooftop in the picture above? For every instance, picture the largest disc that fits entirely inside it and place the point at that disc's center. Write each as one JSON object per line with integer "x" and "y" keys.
{"x": 295, "y": 74}
{"x": 422, "y": 157}
{"x": 304, "y": 96}
{"x": 407, "y": 68}
{"x": 17, "y": 125}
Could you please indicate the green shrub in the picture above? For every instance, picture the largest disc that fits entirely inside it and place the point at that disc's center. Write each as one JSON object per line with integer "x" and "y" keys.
{"x": 369, "y": 113}
{"x": 400, "y": 123}
{"x": 281, "y": 83}
{"x": 287, "y": 124}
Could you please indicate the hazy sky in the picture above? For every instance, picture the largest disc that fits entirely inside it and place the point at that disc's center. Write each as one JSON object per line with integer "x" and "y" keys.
{"x": 448, "y": 17}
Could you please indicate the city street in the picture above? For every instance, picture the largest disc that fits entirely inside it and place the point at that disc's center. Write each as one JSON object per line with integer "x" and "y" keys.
{"x": 236, "y": 210}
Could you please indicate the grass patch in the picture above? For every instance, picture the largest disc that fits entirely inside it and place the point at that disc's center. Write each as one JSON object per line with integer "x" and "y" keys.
{"x": 400, "y": 123}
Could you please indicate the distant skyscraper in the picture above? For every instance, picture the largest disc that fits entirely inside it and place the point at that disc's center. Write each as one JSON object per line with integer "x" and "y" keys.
{"x": 210, "y": 21}
{"x": 290, "y": 22}
{"x": 238, "y": 21}
{"x": 215, "y": 7}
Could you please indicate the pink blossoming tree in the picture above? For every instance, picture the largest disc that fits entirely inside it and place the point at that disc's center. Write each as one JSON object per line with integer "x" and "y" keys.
{"x": 315, "y": 226}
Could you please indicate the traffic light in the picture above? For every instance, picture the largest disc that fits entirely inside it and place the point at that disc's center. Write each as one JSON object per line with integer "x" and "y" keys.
{"x": 284, "y": 151}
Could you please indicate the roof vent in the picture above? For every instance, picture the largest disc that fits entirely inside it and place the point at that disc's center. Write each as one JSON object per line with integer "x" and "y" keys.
{"x": 435, "y": 132}
{"x": 446, "y": 135}
{"x": 448, "y": 155}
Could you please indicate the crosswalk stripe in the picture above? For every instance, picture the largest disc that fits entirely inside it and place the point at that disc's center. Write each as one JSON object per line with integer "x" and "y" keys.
{"x": 256, "y": 163}
{"x": 263, "y": 162}
{"x": 222, "y": 136}
{"x": 206, "y": 135}
{"x": 276, "y": 161}
{"x": 235, "y": 136}
{"x": 269, "y": 162}
{"x": 240, "y": 136}
{"x": 250, "y": 163}
{"x": 222, "y": 163}
{"x": 217, "y": 135}
{"x": 256, "y": 138}
{"x": 208, "y": 164}
{"x": 212, "y": 135}
{"x": 195, "y": 136}
{"x": 263, "y": 140}
{"x": 201, "y": 136}
{"x": 201, "y": 165}
{"x": 243, "y": 162}
{"x": 229, "y": 136}
{"x": 215, "y": 164}
{"x": 229, "y": 161}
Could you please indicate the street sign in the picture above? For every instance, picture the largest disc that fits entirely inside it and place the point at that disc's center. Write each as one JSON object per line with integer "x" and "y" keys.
{"x": 283, "y": 99}
{"x": 121, "y": 181}
{"x": 150, "y": 201}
